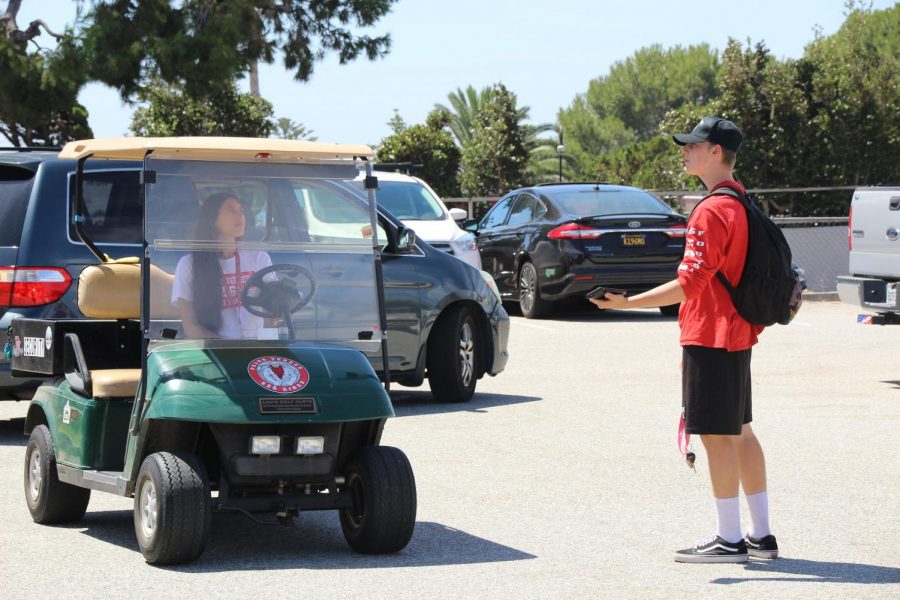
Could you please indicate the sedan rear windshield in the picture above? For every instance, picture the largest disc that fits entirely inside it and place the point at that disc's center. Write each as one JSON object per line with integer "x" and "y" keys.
{"x": 609, "y": 202}
{"x": 15, "y": 190}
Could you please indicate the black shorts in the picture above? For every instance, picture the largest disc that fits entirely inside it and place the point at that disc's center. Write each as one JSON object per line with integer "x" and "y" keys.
{"x": 715, "y": 390}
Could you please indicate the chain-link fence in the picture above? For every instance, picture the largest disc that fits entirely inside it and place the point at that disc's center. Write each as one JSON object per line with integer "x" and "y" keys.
{"x": 819, "y": 246}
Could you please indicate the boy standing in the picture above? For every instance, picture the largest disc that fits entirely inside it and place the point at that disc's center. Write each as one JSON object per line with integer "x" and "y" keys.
{"x": 716, "y": 344}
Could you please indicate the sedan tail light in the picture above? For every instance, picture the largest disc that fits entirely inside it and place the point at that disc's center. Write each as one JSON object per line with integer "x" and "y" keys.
{"x": 676, "y": 231}
{"x": 574, "y": 231}
{"x": 32, "y": 286}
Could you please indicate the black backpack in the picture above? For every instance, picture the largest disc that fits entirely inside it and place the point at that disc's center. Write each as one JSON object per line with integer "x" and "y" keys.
{"x": 769, "y": 290}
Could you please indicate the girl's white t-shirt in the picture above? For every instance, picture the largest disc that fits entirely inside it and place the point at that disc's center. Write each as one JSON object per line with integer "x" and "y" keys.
{"x": 236, "y": 321}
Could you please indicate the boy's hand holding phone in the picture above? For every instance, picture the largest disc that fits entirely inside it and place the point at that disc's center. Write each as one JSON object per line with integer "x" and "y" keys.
{"x": 599, "y": 293}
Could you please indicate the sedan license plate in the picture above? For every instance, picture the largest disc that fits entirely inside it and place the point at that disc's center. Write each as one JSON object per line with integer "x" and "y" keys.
{"x": 891, "y": 298}
{"x": 634, "y": 239}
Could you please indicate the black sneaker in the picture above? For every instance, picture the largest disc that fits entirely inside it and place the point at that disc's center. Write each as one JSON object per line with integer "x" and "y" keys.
{"x": 714, "y": 550}
{"x": 764, "y": 547}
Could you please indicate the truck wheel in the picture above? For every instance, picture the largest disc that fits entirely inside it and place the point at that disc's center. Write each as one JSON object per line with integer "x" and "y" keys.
{"x": 670, "y": 310}
{"x": 380, "y": 482}
{"x": 49, "y": 499}
{"x": 530, "y": 302}
{"x": 452, "y": 356}
{"x": 172, "y": 508}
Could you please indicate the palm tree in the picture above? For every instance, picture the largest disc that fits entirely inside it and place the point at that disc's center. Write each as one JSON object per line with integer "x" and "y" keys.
{"x": 465, "y": 108}
{"x": 466, "y": 105}
{"x": 287, "y": 129}
{"x": 545, "y": 159}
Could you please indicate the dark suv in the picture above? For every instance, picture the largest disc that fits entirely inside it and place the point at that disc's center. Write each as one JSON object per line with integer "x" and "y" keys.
{"x": 555, "y": 241}
{"x": 445, "y": 319}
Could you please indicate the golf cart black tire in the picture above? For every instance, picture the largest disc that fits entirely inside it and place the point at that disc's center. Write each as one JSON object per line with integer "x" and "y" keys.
{"x": 538, "y": 307}
{"x": 670, "y": 311}
{"x": 184, "y": 508}
{"x": 381, "y": 482}
{"x": 56, "y": 501}
{"x": 446, "y": 376}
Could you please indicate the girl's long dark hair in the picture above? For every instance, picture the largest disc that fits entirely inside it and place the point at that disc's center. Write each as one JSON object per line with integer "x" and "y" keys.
{"x": 207, "y": 272}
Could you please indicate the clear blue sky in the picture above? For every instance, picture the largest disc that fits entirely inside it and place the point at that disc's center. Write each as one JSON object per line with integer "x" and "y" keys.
{"x": 545, "y": 52}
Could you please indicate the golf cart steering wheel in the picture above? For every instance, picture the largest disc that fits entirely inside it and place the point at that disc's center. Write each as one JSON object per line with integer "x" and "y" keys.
{"x": 280, "y": 298}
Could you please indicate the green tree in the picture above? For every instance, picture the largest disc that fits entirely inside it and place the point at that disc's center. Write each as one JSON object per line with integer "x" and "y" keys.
{"x": 495, "y": 159}
{"x": 200, "y": 44}
{"x": 287, "y": 129}
{"x": 192, "y": 45}
{"x": 544, "y": 159}
{"x": 429, "y": 145}
{"x": 167, "y": 110}
{"x": 39, "y": 88}
{"x": 464, "y": 108}
{"x": 854, "y": 82}
{"x": 628, "y": 104}
{"x": 396, "y": 123}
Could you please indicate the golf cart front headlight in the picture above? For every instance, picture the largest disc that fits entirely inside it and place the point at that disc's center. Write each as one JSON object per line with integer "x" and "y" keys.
{"x": 265, "y": 444}
{"x": 311, "y": 445}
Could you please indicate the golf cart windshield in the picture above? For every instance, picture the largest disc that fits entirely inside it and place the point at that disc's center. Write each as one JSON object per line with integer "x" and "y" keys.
{"x": 260, "y": 250}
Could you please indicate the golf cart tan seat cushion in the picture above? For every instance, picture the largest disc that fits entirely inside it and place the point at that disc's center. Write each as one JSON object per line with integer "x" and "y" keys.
{"x": 115, "y": 383}
{"x": 113, "y": 291}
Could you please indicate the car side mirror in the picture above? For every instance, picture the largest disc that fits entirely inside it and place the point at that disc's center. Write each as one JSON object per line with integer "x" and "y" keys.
{"x": 470, "y": 225}
{"x": 406, "y": 239}
{"x": 458, "y": 214}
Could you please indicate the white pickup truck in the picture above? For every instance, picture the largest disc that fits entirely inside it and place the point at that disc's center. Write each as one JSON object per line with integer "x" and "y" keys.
{"x": 874, "y": 239}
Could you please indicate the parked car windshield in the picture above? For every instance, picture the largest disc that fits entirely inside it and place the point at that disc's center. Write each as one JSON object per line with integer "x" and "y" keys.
{"x": 15, "y": 189}
{"x": 409, "y": 200}
{"x": 609, "y": 202}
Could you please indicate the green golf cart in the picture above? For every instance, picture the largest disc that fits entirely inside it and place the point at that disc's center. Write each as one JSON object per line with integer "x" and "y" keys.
{"x": 278, "y": 411}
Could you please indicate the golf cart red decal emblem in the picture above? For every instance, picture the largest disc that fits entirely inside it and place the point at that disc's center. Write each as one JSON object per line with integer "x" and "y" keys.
{"x": 279, "y": 375}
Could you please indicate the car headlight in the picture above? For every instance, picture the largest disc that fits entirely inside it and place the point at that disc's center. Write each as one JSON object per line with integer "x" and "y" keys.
{"x": 265, "y": 444}
{"x": 492, "y": 285}
{"x": 465, "y": 243}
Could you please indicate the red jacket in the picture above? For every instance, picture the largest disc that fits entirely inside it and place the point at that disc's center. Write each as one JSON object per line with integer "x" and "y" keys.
{"x": 716, "y": 240}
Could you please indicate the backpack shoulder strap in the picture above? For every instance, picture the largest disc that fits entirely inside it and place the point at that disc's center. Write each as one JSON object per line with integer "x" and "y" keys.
{"x": 731, "y": 192}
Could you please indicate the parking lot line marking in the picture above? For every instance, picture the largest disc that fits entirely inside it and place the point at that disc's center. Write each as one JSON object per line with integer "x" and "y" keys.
{"x": 529, "y": 324}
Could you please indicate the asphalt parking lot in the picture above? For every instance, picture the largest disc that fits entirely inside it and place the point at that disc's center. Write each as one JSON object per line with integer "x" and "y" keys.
{"x": 560, "y": 479}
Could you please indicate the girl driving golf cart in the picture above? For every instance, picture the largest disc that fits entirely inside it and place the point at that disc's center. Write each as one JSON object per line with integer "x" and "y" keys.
{"x": 208, "y": 283}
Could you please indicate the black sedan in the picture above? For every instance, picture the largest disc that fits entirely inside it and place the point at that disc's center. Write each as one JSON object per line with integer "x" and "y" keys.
{"x": 550, "y": 242}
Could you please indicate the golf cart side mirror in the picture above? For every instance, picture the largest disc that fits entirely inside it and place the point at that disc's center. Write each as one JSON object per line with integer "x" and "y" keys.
{"x": 470, "y": 225}
{"x": 458, "y": 214}
{"x": 406, "y": 239}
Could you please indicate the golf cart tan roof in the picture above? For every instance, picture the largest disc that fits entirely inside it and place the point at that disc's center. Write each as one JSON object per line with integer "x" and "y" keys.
{"x": 211, "y": 148}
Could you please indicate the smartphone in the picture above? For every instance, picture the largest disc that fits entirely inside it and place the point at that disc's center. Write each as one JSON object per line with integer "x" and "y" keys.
{"x": 600, "y": 292}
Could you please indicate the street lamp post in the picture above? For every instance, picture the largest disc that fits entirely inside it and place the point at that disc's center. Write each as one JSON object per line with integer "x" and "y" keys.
{"x": 560, "y": 150}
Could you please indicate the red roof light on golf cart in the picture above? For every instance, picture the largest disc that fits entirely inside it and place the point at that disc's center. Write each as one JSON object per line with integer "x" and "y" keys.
{"x": 32, "y": 286}
{"x": 574, "y": 231}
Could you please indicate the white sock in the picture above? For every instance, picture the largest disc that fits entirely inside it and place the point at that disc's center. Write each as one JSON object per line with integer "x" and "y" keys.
{"x": 728, "y": 519}
{"x": 759, "y": 514}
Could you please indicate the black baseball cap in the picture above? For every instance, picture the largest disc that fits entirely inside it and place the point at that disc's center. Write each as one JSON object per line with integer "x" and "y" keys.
{"x": 715, "y": 130}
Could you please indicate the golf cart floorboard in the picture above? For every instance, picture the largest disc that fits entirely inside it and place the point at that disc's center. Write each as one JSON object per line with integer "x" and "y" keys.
{"x": 104, "y": 481}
